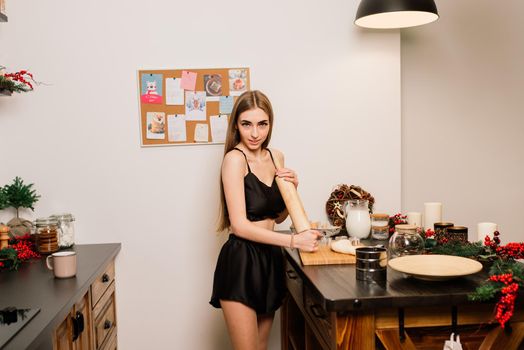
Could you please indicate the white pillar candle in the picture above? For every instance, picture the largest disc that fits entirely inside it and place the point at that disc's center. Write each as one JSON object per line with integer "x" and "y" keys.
{"x": 432, "y": 214}
{"x": 414, "y": 218}
{"x": 485, "y": 229}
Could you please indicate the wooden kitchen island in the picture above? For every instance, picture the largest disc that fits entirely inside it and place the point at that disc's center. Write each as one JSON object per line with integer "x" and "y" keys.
{"x": 327, "y": 308}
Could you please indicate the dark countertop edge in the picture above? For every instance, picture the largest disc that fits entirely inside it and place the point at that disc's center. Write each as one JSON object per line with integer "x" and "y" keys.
{"x": 346, "y": 305}
{"x": 60, "y": 316}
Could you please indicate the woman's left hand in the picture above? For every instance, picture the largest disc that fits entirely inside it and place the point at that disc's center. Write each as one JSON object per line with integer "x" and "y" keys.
{"x": 288, "y": 175}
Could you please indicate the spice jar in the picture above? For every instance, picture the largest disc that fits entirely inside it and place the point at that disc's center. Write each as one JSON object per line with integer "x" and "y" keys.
{"x": 405, "y": 241}
{"x": 46, "y": 235}
{"x": 66, "y": 233}
{"x": 380, "y": 226}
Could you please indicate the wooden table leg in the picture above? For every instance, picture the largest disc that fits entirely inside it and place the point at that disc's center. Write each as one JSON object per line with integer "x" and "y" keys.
{"x": 499, "y": 339}
{"x": 391, "y": 340}
{"x": 356, "y": 331}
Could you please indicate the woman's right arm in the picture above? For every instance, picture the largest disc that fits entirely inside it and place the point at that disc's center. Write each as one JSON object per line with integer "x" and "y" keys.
{"x": 233, "y": 170}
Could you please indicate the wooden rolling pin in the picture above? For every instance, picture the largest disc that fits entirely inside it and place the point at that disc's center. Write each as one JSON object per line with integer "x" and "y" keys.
{"x": 293, "y": 203}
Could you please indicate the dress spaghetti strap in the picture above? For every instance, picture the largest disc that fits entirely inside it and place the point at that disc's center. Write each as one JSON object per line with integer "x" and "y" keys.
{"x": 271, "y": 155}
{"x": 247, "y": 163}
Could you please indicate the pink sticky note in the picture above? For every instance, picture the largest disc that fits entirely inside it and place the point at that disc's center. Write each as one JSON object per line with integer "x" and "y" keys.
{"x": 188, "y": 80}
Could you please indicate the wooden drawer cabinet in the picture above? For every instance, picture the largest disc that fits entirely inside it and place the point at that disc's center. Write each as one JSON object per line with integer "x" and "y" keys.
{"x": 307, "y": 324}
{"x": 105, "y": 323}
{"x": 75, "y": 331}
{"x": 91, "y": 323}
{"x": 320, "y": 321}
{"x": 102, "y": 282}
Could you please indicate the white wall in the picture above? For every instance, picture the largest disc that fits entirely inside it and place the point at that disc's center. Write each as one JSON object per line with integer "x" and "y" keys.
{"x": 462, "y": 114}
{"x": 336, "y": 94}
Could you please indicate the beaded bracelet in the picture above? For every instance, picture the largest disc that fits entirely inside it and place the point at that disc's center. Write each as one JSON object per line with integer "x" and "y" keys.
{"x": 292, "y": 243}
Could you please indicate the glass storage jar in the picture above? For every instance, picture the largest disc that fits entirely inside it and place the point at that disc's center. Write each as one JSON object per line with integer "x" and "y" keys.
{"x": 380, "y": 226}
{"x": 405, "y": 241}
{"x": 66, "y": 233}
{"x": 46, "y": 230}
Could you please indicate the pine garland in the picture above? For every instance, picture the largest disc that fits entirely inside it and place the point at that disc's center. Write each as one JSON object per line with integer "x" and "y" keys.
{"x": 9, "y": 259}
{"x": 506, "y": 275}
{"x": 470, "y": 249}
{"x": 12, "y": 86}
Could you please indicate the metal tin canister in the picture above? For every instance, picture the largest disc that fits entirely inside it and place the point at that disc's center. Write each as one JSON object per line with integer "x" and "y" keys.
{"x": 441, "y": 229}
{"x": 372, "y": 263}
{"x": 457, "y": 234}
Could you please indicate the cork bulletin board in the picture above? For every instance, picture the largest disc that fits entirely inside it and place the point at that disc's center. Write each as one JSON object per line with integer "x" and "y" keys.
{"x": 188, "y": 106}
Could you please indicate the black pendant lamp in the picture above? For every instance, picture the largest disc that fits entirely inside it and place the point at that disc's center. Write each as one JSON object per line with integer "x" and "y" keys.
{"x": 389, "y": 14}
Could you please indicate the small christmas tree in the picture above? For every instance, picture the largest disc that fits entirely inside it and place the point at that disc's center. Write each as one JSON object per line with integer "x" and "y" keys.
{"x": 19, "y": 196}
{"x": 4, "y": 203}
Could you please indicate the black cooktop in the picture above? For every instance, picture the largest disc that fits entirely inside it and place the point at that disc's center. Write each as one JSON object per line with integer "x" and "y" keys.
{"x": 12, "y": 320}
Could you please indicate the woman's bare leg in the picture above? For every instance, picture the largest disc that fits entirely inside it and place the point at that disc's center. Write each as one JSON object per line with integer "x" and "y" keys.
{"x": 264, "y": 327}
{"x": 241, "y": 323}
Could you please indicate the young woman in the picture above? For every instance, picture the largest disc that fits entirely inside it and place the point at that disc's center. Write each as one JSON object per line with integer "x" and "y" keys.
{"x": 249, "y": 276}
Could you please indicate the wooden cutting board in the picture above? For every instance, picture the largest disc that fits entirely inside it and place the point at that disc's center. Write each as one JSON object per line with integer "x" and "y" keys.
{"x": 325, "y": 256}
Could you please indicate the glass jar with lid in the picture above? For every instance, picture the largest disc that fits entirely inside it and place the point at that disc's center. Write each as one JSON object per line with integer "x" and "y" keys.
{"x": 46, "y": 230}
{"x": 66, "y": 233}
{"x": 380, "y": 226}
{"x": 405, "y": 241}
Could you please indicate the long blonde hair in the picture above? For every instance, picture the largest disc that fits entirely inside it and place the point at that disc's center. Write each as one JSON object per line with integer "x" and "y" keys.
{"x": 247, "y": 101}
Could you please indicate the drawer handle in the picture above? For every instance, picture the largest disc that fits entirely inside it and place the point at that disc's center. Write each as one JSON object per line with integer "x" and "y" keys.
{"x": 107, "y": 324}
{"x": 292, "y": 275}
{"x": 80, "y": 321}
{"x": 317, "y": 311}
{"x": 105, "y": 278}
{"x": 76, "y": 333}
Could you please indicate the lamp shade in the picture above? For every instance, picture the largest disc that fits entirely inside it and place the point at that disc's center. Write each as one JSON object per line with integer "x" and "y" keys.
{"x": 389, "y": 14}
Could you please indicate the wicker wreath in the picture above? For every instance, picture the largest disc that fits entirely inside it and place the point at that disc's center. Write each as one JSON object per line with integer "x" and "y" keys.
{"x": 337, "y": 201}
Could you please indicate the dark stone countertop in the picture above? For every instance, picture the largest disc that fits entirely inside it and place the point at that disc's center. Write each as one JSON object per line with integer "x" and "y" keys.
{"x": 34, "y": 286}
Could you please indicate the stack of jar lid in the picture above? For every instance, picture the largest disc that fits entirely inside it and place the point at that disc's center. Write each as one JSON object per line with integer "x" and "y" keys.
{"x": 46, "y": 235}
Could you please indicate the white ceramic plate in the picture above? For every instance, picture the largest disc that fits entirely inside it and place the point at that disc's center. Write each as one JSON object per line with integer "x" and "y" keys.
{"x": 435, "y": 267}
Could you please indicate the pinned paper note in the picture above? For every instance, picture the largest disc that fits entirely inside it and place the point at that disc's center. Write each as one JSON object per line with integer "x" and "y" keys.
{"x": 237, "y": 81}
{"x": 226, "y": 104}
{"x": 176, "y": 128}
{"x": 218, "y": 128}
{"x": 156, "y": 125}
{"x": 174, "y": 93}
{"x": 213, "y": 86}
{"x": 151, "y": 88}
{"x": 195, "y": 105}
{"x": 201, "y": 133}
{"x": 188, "y": 80}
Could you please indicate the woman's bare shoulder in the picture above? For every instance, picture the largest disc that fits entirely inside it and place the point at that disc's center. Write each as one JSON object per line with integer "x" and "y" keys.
{"x": 276, "y": 153}
{"x": 234, "y": 159}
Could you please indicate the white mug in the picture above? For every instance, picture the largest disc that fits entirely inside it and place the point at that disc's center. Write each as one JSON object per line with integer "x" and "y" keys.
{"x": 63, "y": 264}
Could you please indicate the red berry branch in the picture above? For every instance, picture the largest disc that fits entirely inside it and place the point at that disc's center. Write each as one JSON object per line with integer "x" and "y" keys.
{"x": 506, "y": 304}
{"x": 22, "y": 77}
{"x": 506, "y": 276}
{"x": 396, "y": 219}
{"x": 19, "y": 250}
